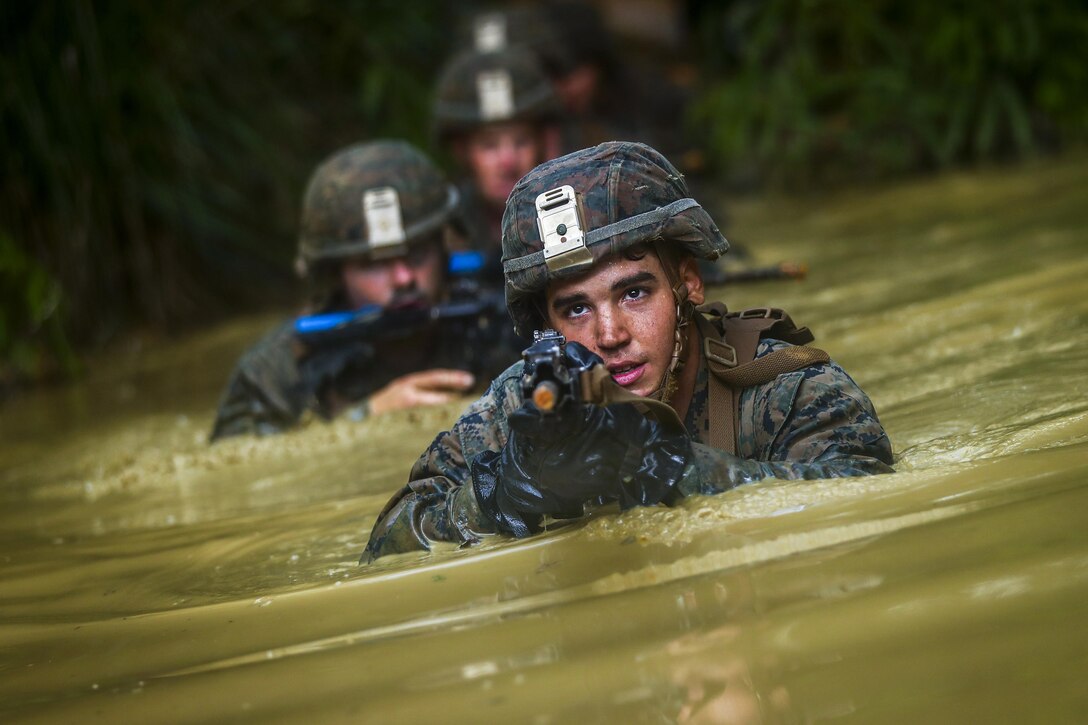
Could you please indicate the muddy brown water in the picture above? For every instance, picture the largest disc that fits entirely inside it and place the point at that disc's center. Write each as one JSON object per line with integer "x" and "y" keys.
{"x": 148, "y": 577}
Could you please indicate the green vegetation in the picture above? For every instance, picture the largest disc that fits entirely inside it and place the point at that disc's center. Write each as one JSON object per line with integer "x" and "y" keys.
{"x": 32, "y": 340}
{"x": 811, "y": 91}
{"x": 154, "y": 153}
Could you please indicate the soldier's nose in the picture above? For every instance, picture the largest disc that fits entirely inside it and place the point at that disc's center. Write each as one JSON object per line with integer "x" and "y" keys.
{"x": 507, "y": 156}
{"x": 403, "y": 274}
{"x": 612, "y": 332}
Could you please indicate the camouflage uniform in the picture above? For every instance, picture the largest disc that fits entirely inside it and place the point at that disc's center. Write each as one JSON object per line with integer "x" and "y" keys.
{"x": 811, "y": 423}
{"x": 279, "y": 380}
{"x": 265, "y": 393}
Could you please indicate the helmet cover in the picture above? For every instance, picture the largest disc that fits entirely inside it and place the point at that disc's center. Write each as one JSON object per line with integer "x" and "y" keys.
{"x": 372, "y": 199}
{"x": 626, "y": 193}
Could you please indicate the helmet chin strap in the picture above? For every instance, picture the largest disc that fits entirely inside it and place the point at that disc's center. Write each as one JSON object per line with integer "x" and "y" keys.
{"x": 684, "y": 310}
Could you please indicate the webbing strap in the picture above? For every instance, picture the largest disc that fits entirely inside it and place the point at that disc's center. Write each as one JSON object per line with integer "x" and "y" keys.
{"x": 722, "y": 413}
{"x": 770, "y": 366}
{"x": 731, "y": 362}
{"x": 603, "y": 234}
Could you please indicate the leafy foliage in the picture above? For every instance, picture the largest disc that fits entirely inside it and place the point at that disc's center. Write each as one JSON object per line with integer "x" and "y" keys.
{"x": 809, "y": 91}
{"x": 32, "y": 340}
{"x": 154, "y": 153}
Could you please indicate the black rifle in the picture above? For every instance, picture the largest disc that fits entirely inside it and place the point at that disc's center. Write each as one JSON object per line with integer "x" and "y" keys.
{"x": 471, "y": 330}
{"x": 554, "y": 374}
{"x": 547, "y": 380}
{"x": 715, "y": 276}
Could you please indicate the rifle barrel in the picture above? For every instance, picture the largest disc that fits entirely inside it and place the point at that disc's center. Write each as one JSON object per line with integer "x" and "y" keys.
{"x": 784, "y": 270}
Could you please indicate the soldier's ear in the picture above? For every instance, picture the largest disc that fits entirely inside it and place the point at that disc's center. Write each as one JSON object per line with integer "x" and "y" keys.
{"x": 692, "y": 279}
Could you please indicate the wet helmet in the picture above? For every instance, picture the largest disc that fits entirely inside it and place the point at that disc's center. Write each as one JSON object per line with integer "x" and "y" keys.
{"x": 567, "y": 214}
{"x": 372, "y": 199}
{"x": 485, "y": 87}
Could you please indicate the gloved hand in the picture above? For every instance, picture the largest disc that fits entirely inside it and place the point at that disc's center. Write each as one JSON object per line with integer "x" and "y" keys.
{"x": 554, "y": 464}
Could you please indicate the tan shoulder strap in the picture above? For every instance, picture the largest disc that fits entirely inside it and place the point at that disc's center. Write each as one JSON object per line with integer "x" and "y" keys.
{"x": 770, "y": 366}
{"x": 729, "y": 348}
{"x": 722, "y": 406}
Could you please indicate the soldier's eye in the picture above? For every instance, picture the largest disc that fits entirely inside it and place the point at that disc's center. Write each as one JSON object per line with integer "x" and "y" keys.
{"x": 635, "y": 293}
{"x": 576, "y": 310}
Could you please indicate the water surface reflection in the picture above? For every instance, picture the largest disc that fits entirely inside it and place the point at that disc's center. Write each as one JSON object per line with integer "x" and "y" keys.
{"x": 148, "y": 577}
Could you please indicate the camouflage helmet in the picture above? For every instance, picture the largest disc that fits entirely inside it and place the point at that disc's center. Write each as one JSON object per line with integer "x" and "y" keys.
{"x": 477, "y": 88}
{"x": 374, "y": 199}
{"x": 590, "y": 204}
{"x": 530, "y": 26}
{"x": 584, "y": 38}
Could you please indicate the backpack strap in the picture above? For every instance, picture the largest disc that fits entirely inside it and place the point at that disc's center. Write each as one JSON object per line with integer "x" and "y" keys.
{"x": 717, "y": 354}
{"x": 730, "y": 340}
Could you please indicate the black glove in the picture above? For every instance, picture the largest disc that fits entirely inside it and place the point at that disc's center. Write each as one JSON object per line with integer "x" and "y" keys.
{"x": 554, "y": 464}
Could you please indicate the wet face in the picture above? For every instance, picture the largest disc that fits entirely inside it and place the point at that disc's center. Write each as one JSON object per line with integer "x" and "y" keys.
{"x": 624, "y": 311}
{"x": 413, "y": 276}
{"x": 499, "y": 154}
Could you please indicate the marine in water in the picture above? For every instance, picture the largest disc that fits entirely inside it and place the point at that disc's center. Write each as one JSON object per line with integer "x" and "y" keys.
{"x": 377, "y": 221}
{"x": 602, "y": 246}
{"x": 495, "y": 113}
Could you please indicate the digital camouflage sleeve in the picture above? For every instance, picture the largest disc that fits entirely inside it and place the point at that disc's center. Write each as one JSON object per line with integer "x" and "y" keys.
{"x": 812, "y": 423}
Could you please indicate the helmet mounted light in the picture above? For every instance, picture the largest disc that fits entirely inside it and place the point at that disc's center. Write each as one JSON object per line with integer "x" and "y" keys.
{"x": 495, "y": 90}
{"x": 559, "y": 221}
{"x": 489, "y": 32}
{"x": 385, "y": 228}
